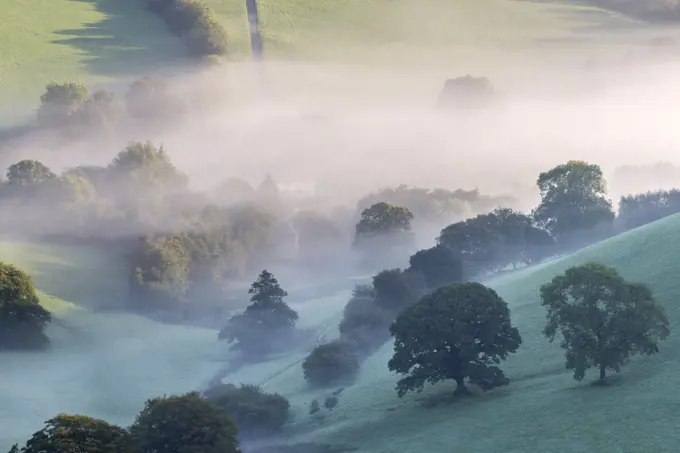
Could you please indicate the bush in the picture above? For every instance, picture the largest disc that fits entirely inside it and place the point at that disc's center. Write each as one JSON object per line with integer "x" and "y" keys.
{"x": 192, "y": 21}
{"x": 22, "y": 318}
{"x": 255, "y": 412}
{"x": 364, "y": 326}
{"x": 330, "y": 363}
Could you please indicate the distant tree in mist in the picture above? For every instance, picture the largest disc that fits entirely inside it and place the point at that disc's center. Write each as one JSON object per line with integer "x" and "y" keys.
{"x": 365, "y": 325}
{"x": 22, "y": 318}
{"x": 187, "y": 423}
{"x": 28, "y": 172}
{"x": 467, "y": 91}
{"x": 150, "y": 99}
{"x": 255, "y": 412}
{"x": 382, "y": 231}
{"x": 60, "y": 104}
{"x": 79, "y": 434}
{"x": 330, "y": 363}
{"x": 235, "y": 190}
{"x": 396, "y": 289}
{"x": 459, "y": 332}
{"x": 602, "y": 318}
{"x": 266, "y": 324}
{"x": 641, "y": 209}
{"x": 573, "y": 198}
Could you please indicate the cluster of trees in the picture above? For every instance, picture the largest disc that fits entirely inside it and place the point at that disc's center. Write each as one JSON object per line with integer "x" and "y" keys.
{"x": 194, "y": 23}
{"x": 467, "y": 91}
{"x": 217, "y": 421}
{"x": 22, "y": 318}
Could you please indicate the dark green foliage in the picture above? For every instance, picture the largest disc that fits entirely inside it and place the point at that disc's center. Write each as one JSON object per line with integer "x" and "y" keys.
{"x": 22, "y": 318}
{"x": 602, "y": 318}
{"x": 330, "y": 363}
{"x": 641, "y": 209}
{"x": 458, "y": 332}
{"x": 184, "y": 424}
{"x": 331, "y": 402}
{"x": 60, "y": 104}
{"x": 78, "y": 434}
{"x": 364, "y": 326}
{"x": 267, "y": 323}
{"x": 396, "y": 289}
{"x": 437, "y": 265}
{"x": 255, "y": 412}
{"x": 467, "y": 91}
{"x": 192, "y": 21}
{"x": 572, "y": 200}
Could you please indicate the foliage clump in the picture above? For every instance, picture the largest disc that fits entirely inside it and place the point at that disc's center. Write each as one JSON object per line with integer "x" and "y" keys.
{"x": 459, "y": 332}
{"x": 256, "y": 413}
{"x": 188, "y": 423}
{"x": 330, "y": 363}
{"x": 194, "y": 23}
{"x": 22, "y": 318}
{"x": 603, "y": 319}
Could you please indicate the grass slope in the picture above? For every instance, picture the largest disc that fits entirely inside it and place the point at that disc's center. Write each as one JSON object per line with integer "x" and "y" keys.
{"x": 92, "y": 41}
{"x": 69, "y": 276}
{"x": 543, "y": 409}
{"x": 393, "y": 29}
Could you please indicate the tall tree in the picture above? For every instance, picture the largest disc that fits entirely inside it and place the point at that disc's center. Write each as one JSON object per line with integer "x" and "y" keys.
{"x": 267, "y": 321}
{"x": 603, "y": 319}
{"x": 573, "y": 197}
{"x": 459, "y": 332}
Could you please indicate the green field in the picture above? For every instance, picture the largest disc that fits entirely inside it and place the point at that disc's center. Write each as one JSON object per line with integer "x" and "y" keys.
{"x": 543, "y": 409}
{"x": 70, "y": 276}
{"x": 92, "y": 41}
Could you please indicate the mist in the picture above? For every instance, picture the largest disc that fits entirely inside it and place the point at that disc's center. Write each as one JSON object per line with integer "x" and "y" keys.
{"x": 330, "y": 134}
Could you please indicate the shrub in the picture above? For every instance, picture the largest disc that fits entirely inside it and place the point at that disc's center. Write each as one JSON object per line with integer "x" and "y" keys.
{"x": 329, "y": 363}
{"x": 192, "y": 21}
{"x": 22, "y": 318}
{"x": 186, "y": 423}
{"x": 60, "y": 103}
{"x": 255, "y": 412}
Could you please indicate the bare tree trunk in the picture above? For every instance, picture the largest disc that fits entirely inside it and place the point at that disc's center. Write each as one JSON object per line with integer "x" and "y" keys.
{"x": 461, "y": 389}
{"x": 603, "y": 373}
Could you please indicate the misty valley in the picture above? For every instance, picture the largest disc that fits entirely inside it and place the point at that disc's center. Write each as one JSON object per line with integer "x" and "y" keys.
{"x": 373, "y": 237}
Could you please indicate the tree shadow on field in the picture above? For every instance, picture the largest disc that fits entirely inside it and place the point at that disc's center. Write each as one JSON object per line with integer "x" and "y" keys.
{"x": 128, "y": 41}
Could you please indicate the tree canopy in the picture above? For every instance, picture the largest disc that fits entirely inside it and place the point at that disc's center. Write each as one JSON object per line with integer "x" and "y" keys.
{"x": 330, "y": 363}
{"x": 602, "y": 318}
{"x": 459, "y": 332}
{"x": 573, "y": 197}
{"x": 79, "y": 434}
{"x": 22, "y": 318}
{"x": 184, "y": 424}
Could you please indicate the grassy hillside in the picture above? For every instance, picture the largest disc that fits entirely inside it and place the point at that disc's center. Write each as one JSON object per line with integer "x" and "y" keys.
{"x": 389, "y": 29}
{"x": 87, "y": 40}
{"x": 543, "y": 409}
{"x": 69, "y": 276}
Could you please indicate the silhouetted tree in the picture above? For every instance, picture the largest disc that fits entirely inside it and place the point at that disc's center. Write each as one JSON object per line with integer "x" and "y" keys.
{"x": 438, "y": 265}
{"x": 458, "y": 332}
{"x": 187, "y": 424}
{"x": 603, "y": 318}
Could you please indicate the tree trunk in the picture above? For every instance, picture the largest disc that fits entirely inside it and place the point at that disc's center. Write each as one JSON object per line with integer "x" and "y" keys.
{"x": 603, "y": 373}
{"x": 461, "y": 389}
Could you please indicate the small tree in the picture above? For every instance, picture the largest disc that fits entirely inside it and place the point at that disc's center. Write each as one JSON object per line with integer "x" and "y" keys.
{"x": 60, "y": 103}
{"x": 383, "y": 219}
{"x": 603, "y": 319}
{"x": 28, "y": 172}
{"x": 459, "y": 332}
{"x": 22, "y": 318}
{"x": 330, "y": 363}
{"x": 396, "y": 289}
{"x": 78, "y": 434}
{"x": 364, "y": 325}
{"x": 186, "y": 423}
{"x": 267, "y": 321}
{"x": 255, "y": 412}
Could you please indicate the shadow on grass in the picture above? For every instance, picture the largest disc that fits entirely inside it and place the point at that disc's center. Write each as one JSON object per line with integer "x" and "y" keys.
{"x": 129, "y": 41}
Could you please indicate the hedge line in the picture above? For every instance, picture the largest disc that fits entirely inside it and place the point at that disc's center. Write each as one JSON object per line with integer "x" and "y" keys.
{"x": 195, "y": 23}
